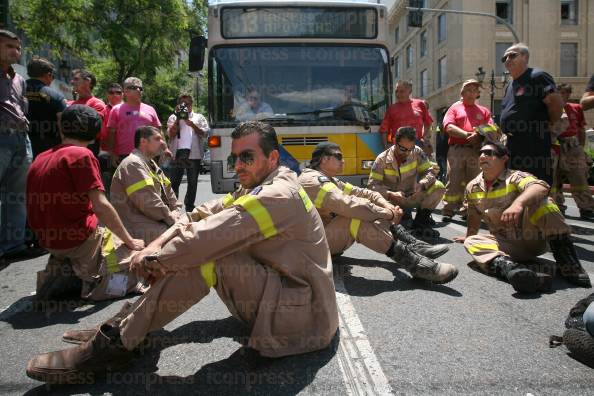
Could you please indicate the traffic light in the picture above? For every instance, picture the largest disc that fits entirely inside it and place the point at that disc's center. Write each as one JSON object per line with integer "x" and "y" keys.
{"x": 415, "y": 17}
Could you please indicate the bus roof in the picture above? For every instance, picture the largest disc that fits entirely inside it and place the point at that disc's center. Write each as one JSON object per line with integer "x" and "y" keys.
{"x": 293, "y": 2}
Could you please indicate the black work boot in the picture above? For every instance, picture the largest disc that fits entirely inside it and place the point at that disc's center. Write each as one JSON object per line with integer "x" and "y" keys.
{"x": 581, "y": 345}
{"x": 420, "y": 266}
{"x": 83, "y": 363}
{"x": 422, "y": 227}
{"x": 522, "y": 279}
{"x": 567, "y": 260}
{"x": 399, "y": 233}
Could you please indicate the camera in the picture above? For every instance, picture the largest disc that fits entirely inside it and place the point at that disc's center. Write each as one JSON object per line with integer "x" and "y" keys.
{"x": 182, "y": 112}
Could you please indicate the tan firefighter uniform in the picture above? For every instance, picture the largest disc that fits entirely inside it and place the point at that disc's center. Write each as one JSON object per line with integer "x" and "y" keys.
{"x": 522, "y": 243}
{"x": 349, "y": 213}
{"x": 143, "y": 197}
{"x": 265, "y": 253}
{"x": 571, "y": 162}
{"x": 386, "y": 175}
{"x": 98, "y": 262}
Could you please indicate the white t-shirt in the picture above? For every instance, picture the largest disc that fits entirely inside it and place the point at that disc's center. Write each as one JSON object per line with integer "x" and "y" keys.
{"x": 186, "y": 137}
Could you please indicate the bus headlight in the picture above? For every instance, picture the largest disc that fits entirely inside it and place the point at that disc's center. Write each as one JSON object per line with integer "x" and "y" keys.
{"x": 366, "y": 164}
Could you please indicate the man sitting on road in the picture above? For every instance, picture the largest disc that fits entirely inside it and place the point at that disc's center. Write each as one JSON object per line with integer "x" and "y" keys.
{"x": 521, "y": 220}
{"x": 65, "y": 201}
{"x": 405, "y": 177}
{"x": 357, "y": 214}
{"x": 262, "y": 247}
{"x": 140, "y": 191}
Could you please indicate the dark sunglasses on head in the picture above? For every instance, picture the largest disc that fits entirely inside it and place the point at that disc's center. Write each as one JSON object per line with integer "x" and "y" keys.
{"x": 247, "y": 157}
{"x": 404, "y": 149}
{"x": 490, "y": 153}
{"x": 114, "y": 92}
{"x": 511, "y": 55}
{"x": 134, "y": 87}
{"x": 338, "y": 156}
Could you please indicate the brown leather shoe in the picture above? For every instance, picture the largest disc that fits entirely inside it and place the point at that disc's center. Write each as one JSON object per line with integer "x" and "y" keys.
{"x": 84, "y": 363}
{"x": 78, "y": 336}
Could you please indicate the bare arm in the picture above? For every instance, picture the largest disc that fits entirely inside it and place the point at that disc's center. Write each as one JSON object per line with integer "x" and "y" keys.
{"x": 554, "y": 103}
{"x": 108, "y": 216}
{"x": 532, "y": 194}
{"x": 458, "y": 132}
{"x": 587, "y": 101}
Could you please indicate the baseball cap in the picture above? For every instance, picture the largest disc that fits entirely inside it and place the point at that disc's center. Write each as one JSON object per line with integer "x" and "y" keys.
{"x": 80, "y": 122}
{"x": 471, "y": 81}
{"x": 132, "y": 82}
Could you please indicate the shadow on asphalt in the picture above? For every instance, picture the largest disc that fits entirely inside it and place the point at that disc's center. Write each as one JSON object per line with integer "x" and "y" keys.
{"x": 243, "y": 372}
{"x": 23, "y": 314}
{"x": 362, "y": 287}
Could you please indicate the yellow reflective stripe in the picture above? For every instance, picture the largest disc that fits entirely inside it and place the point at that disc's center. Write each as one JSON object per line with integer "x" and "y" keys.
{"x": 326, "y": 187}
{"x": 526, "y": 180}
{"x": 408, "y": 167}
{"x": 500, "y": 192}
{"x": 139, "y": 185}
{"x": 475, "y": 248}
{"x": 160, "y": 179}
{"x": 348, "y": 187}
{"x": 452, "y": 198}
{"x": 109, "y": 253}
{"x": 166, "y": 181}
{"x": 435, "y": 186}
{"x": 390, "y": 172}
{"x": 208, "y": 273}
{"x": 424, "y": 166}
{"x": 354, "y": 227}
{"x": 227, "y": 200}
{"x": 251, "y": 204}
{"x": 544, "y": 210}
{"x": 376, "y": 176}
{"x": 305, "y": 199}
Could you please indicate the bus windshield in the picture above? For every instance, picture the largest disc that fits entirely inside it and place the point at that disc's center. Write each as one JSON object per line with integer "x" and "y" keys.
{"x": 305, "y": 85}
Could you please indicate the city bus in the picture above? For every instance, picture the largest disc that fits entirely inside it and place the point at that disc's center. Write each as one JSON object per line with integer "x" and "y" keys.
{"x": 315, "y": 70}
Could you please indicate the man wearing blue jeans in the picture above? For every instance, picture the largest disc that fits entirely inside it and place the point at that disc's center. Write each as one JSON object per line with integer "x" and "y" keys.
{"x": 15, "y": 148}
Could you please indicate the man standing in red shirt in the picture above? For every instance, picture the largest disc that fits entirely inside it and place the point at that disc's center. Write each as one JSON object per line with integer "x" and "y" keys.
{"x": 65, "y": 202}
{"x": 407, "y": 112}
{"x": 460, "y": 123}
{"x": 83, "y": 83}
{"x": 570, "y": 160}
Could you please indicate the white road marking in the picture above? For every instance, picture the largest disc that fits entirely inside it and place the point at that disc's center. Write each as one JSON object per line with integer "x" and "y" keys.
{"x": 361, "y": 371}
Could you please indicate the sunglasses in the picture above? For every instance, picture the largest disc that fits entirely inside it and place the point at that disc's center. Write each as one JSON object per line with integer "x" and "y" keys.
{"x": 134, "y": 87}
{"x": 114, "y": 92}
{"x": 511, "y": 55}
{"x": 338, "y": 156}
{"x": 490, "y": 153}
{"x": 247, "y": 157}
{"x": 403, "y": 149}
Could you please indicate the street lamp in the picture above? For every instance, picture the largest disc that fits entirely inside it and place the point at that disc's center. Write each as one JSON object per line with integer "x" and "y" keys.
{"x": 480, "y": 76}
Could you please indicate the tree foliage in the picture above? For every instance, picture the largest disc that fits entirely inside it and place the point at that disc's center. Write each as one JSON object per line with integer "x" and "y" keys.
{"x": 119, "y": 38}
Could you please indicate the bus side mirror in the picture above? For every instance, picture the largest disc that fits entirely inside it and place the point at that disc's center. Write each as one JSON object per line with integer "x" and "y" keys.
{"x": 196, "y": 53}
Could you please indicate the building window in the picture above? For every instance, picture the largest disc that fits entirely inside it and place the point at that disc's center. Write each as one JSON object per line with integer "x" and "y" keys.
{"x": 499, "y": 51}
{"x": 409, "y": 56}
{"x": 424, "y": 83}
{"x": 442, "y": 72}
{"x": 397, "y": 34}
{"x": 569, "y": 12}
{"x": 423, "y": 46}
{"x": 504, "y": 10}
{"x": 441, "y": 28}
{"x": 568, "y": 59}
{"x": 397, "y": 68}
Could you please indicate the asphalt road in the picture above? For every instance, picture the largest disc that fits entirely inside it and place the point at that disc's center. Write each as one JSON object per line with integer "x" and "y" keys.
{"x": 397, "y": 336}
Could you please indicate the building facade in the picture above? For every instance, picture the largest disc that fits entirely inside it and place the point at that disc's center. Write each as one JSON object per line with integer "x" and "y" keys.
{"x": 450, "y": 48}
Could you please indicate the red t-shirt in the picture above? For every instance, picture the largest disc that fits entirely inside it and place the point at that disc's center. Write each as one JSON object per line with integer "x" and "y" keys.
{"x": 466, "y": 118}
{"x": 58, "y": 206}
{"x": 575, "y": 116}
{"x": 104, "y": 130}
{"x": 94, "y": 103}
{"x": 412, "y": 113}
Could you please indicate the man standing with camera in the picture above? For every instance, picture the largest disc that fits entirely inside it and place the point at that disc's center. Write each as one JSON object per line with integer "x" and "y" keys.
{"x": 187, "y": 131}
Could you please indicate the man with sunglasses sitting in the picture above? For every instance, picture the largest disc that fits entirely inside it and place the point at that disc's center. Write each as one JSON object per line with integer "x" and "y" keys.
{"x": 404, "y": 176}
{"x": 522, "y": 220}
{"x": 262, "y": 248}
{"x": 350, "y": 214}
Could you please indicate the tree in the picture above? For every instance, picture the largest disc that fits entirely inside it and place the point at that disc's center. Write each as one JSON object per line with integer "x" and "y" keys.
{"x": 119, "y": 38}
